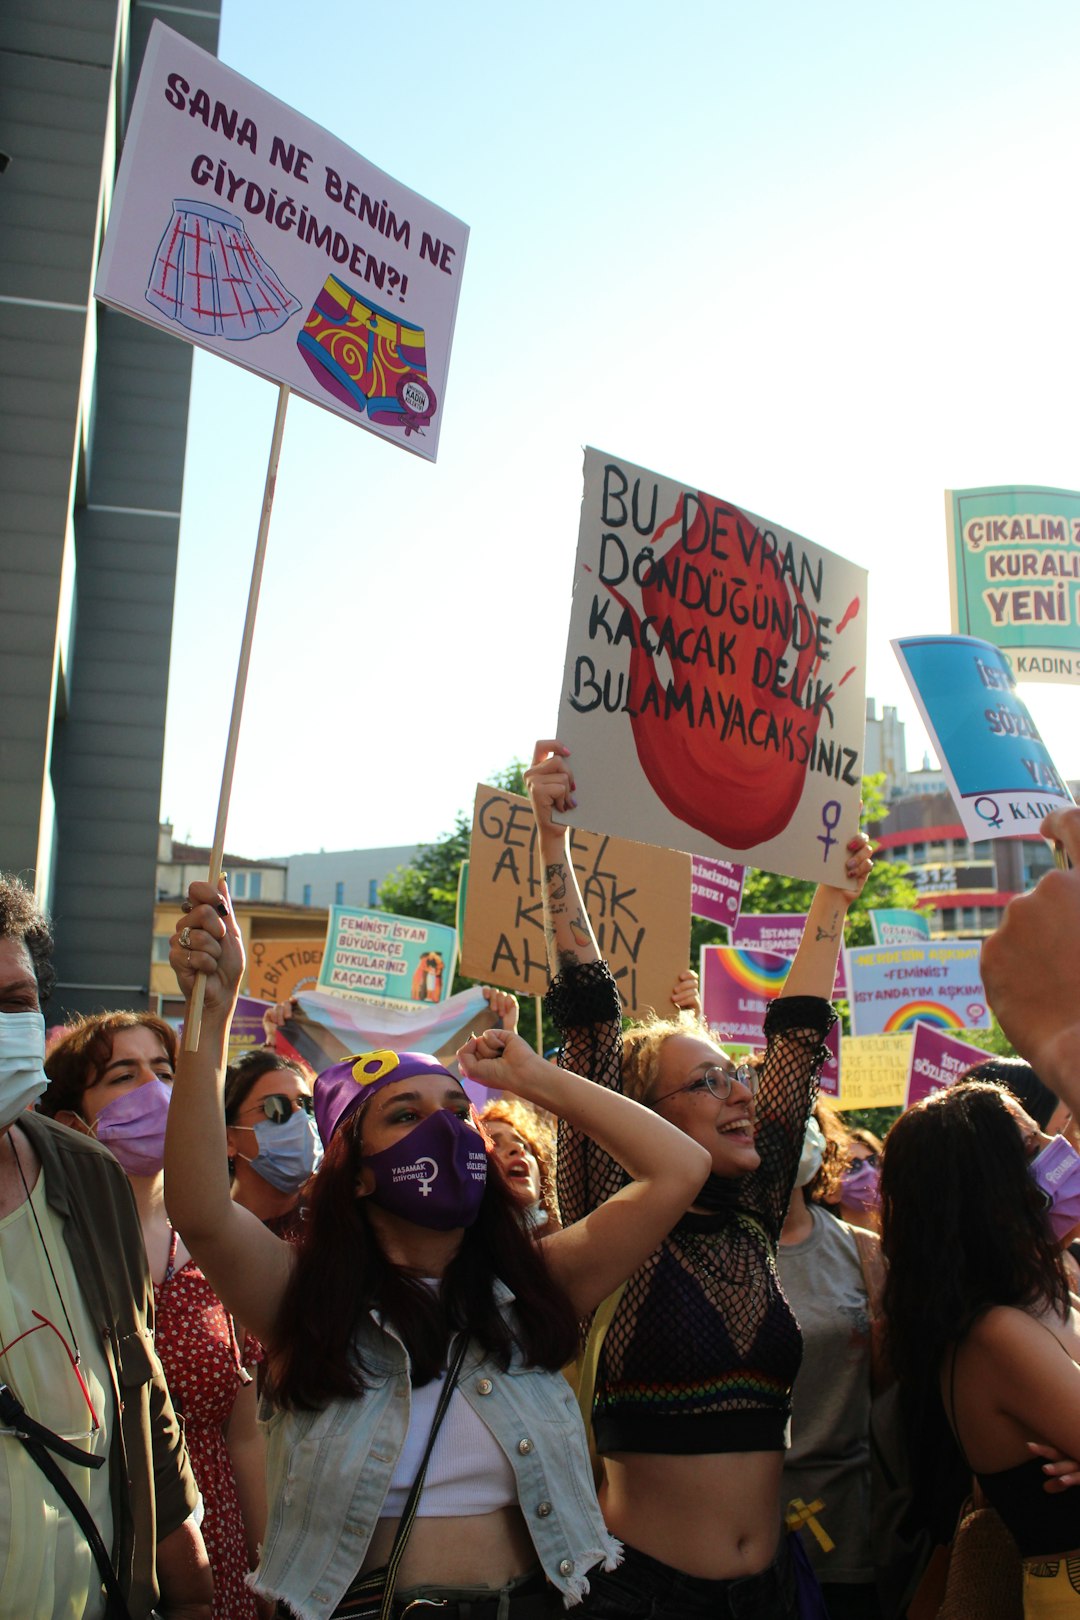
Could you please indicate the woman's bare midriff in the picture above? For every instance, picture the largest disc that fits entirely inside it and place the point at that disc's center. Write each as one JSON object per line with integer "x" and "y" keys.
{"x": 486, "y": 1549}
{"x": 716, "y": 1517}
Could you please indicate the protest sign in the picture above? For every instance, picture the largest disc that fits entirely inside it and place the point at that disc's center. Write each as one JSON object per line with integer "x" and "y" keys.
{"x": 875, "y": 1071}
{"x": 780, "y": 932}
{"x": 245, "y": 228}
{"x": 246, "y": 1029}
{"x": 1000, "y": 774}
{"x": 716, "y": 889}
{"x": 1014, "y": 564}
{"x": 937, "y": 1060}
{"x": 713, "y": 693}
{"x": 736, "y": 988}
{"x": 890, "y": 988}
{"x": 379, "y": 957}
{"x": 278, "y": 968}
{"x": 637, "y": 898}
{"x": 896, "y": 926}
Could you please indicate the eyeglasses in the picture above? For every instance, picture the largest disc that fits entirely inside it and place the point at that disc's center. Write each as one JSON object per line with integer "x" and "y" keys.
{"x": 75, "y": 1361}
{"x": 718, "y": 1080}
{"x": 278, "y": 1108}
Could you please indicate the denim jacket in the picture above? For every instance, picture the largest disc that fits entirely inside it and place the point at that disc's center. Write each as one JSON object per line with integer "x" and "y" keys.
{"x": 328, "y": 1473}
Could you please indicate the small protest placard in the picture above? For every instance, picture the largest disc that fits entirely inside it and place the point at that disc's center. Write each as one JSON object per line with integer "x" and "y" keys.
{"x": 737, "y": 986}
{"x": 780, "y": 932}
{"x": 713, "y": 692}
{"x": 243, "y": 227}
{"x": 896, "y": 926}
{"x": 890, "y": 988}
{"x": 875, "y": 1071}
{"x": 937, "y": 1060}
{"x": 379, "y": 957}
{"x": 716, "y": 889}
{"x": 637, "y": 898}
{"x": 279, "y": 969}
{"x": 246, "y": 1029}
{"x": 1000, "y": 774}
{"x": 1014, "y": 564}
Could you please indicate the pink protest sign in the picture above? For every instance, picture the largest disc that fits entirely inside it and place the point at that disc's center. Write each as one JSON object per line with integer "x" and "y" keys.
{"x": 736, "y": 989}
{"x": 716, "y": 889}
{"x": 937, "y": 1060}
{"x": 780, "y": 932}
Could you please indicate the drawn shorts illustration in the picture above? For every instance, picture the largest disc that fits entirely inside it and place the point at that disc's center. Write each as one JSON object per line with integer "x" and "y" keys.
{"x": 368, "y": 359}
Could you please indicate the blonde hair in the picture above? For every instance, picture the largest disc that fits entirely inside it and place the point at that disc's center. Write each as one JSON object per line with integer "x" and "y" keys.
{"x": 642, "y": 1045}
{"x": 537, "y": 1131}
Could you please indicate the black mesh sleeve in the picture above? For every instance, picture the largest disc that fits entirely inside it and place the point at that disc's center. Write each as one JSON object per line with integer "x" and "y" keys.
{"x": 795, "y": 1032}
{"x": 583, "y": 1003}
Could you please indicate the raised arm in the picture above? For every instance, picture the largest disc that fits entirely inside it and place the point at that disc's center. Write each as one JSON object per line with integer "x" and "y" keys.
{"x": 567, "y": 930}
{"x": 813, "y": 971}
{"x": 1031, "y": 968}
{"x": 667, "y": 1168}
{"x": 246, "y": 1265}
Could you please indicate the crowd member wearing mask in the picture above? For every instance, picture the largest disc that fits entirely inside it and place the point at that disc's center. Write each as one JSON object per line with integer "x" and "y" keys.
{"x": 71, "y": 1252}
{"x": 860, "y": 1184}
{"x": 413, "y": 1266}
{"x": 273, "y": 1144}
{"x": 980, "y": 1326}
{"x": 694, "y": 1375}
{"x": 831, "y": 1277}
{"x": 110, "y": 1076}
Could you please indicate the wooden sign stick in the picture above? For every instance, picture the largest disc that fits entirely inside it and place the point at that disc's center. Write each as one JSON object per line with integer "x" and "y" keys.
{"x": 193, "y": 1026}
{"x": 539, "y": 1024}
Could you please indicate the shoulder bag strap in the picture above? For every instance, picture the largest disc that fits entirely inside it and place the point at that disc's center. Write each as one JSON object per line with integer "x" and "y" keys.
{"x": 408, "y": 1514}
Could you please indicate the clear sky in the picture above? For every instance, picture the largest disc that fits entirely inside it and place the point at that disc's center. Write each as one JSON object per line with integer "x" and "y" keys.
{"x": 820, "y": 260}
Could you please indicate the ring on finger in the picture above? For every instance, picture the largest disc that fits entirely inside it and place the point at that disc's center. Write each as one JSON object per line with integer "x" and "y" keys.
{"x": 184, "y": 937}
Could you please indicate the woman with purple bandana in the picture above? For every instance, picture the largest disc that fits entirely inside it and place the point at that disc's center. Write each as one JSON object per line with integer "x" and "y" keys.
{"x": 415, "y": 1268}
{"x": 111, "y": 1076}
{"x": 976, "y": 1204}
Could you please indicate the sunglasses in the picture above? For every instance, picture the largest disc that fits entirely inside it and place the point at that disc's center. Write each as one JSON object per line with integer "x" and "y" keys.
{"x": 279, "y": 1108}
{"x": 719, "y": 1081}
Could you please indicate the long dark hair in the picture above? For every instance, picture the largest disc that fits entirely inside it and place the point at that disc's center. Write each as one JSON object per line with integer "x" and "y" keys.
{"x": 963, "y": 1226}
{"x": 341, "y": 1274}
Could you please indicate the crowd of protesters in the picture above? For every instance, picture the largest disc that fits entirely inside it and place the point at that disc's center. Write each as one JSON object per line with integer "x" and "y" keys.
{"x": 279, "y": 1344}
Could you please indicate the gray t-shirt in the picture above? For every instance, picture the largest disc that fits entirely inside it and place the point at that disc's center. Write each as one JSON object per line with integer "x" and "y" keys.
{"x": 826, "y": 1484}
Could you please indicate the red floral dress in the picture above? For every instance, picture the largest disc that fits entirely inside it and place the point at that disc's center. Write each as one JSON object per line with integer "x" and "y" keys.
{"x": 205, "y": 1368}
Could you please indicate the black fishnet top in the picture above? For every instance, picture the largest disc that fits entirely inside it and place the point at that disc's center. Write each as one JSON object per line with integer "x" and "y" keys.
{"x": 703, "y": 1349}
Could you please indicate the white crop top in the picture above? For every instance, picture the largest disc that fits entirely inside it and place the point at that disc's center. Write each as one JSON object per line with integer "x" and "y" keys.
{"x": 468, "y": 1472}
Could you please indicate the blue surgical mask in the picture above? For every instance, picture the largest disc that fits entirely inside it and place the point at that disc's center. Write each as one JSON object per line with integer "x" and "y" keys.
{"x": 288, "y": 1153}
{"x": 22, "y": 1054}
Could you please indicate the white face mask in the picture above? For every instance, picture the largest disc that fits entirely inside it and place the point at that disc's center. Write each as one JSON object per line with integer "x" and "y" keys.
{"x": 813, "y": 1153}
{"x": 22, "y": 1054}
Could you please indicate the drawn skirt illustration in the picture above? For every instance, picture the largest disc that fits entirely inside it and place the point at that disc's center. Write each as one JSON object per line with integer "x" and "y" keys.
{"x": 367, "y": 358}
{"x": 209, "y": 276}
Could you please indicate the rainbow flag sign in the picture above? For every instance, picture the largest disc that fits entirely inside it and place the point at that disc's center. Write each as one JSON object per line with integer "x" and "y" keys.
{"x": 736, "y": 988}
{"x": 892, "y": 988}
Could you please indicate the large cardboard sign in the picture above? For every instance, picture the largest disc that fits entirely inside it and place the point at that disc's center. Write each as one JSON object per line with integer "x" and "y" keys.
{"x": 937, "y": 1060}
{"x": 1000, "y": 774}
{"x": 376, "y": 956}
{"x": 893, "y": 925}
{"x": 892, "y": 988}
{"x": 243, "y": 227}
{"x": 875, "y": 1071}
{"x": 637, "y": 898}
{"x": 1014, "y": 574}
{"x": 716, "y": 889}
{"x": 279, "y": 969}
{"x": 736, "y": 988}
{"x": 713, "y": 693}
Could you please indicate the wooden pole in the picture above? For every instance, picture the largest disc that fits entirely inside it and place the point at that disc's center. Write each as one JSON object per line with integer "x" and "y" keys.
{"x": 539, "y": 1024}
{"x": 193, "y": 1027}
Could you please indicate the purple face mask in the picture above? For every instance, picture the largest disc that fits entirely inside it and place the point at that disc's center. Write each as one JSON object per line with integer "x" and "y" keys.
{"x": 435, "y": 1176}
{"x": 1056, "y": 1172}
{"x": 860, "y": 1187}
{"x": 133, "y": 1127}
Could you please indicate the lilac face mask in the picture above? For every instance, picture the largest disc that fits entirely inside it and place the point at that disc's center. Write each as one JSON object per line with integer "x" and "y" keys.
{"x": 435, "y": 1176}
{"x": 1056, "y": 1173}
{"x": 133, "y": 1127}
{"x": 860, "y": 1187}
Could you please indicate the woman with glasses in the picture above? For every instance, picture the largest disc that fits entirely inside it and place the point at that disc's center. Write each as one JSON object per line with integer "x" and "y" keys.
{"x": 273, "y": 1145}
{"x": 111, "y": 1077}
{"x": 694, "y": 1376}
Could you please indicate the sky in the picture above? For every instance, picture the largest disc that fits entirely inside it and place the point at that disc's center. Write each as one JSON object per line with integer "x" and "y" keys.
{"x": 818, "y": 260}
